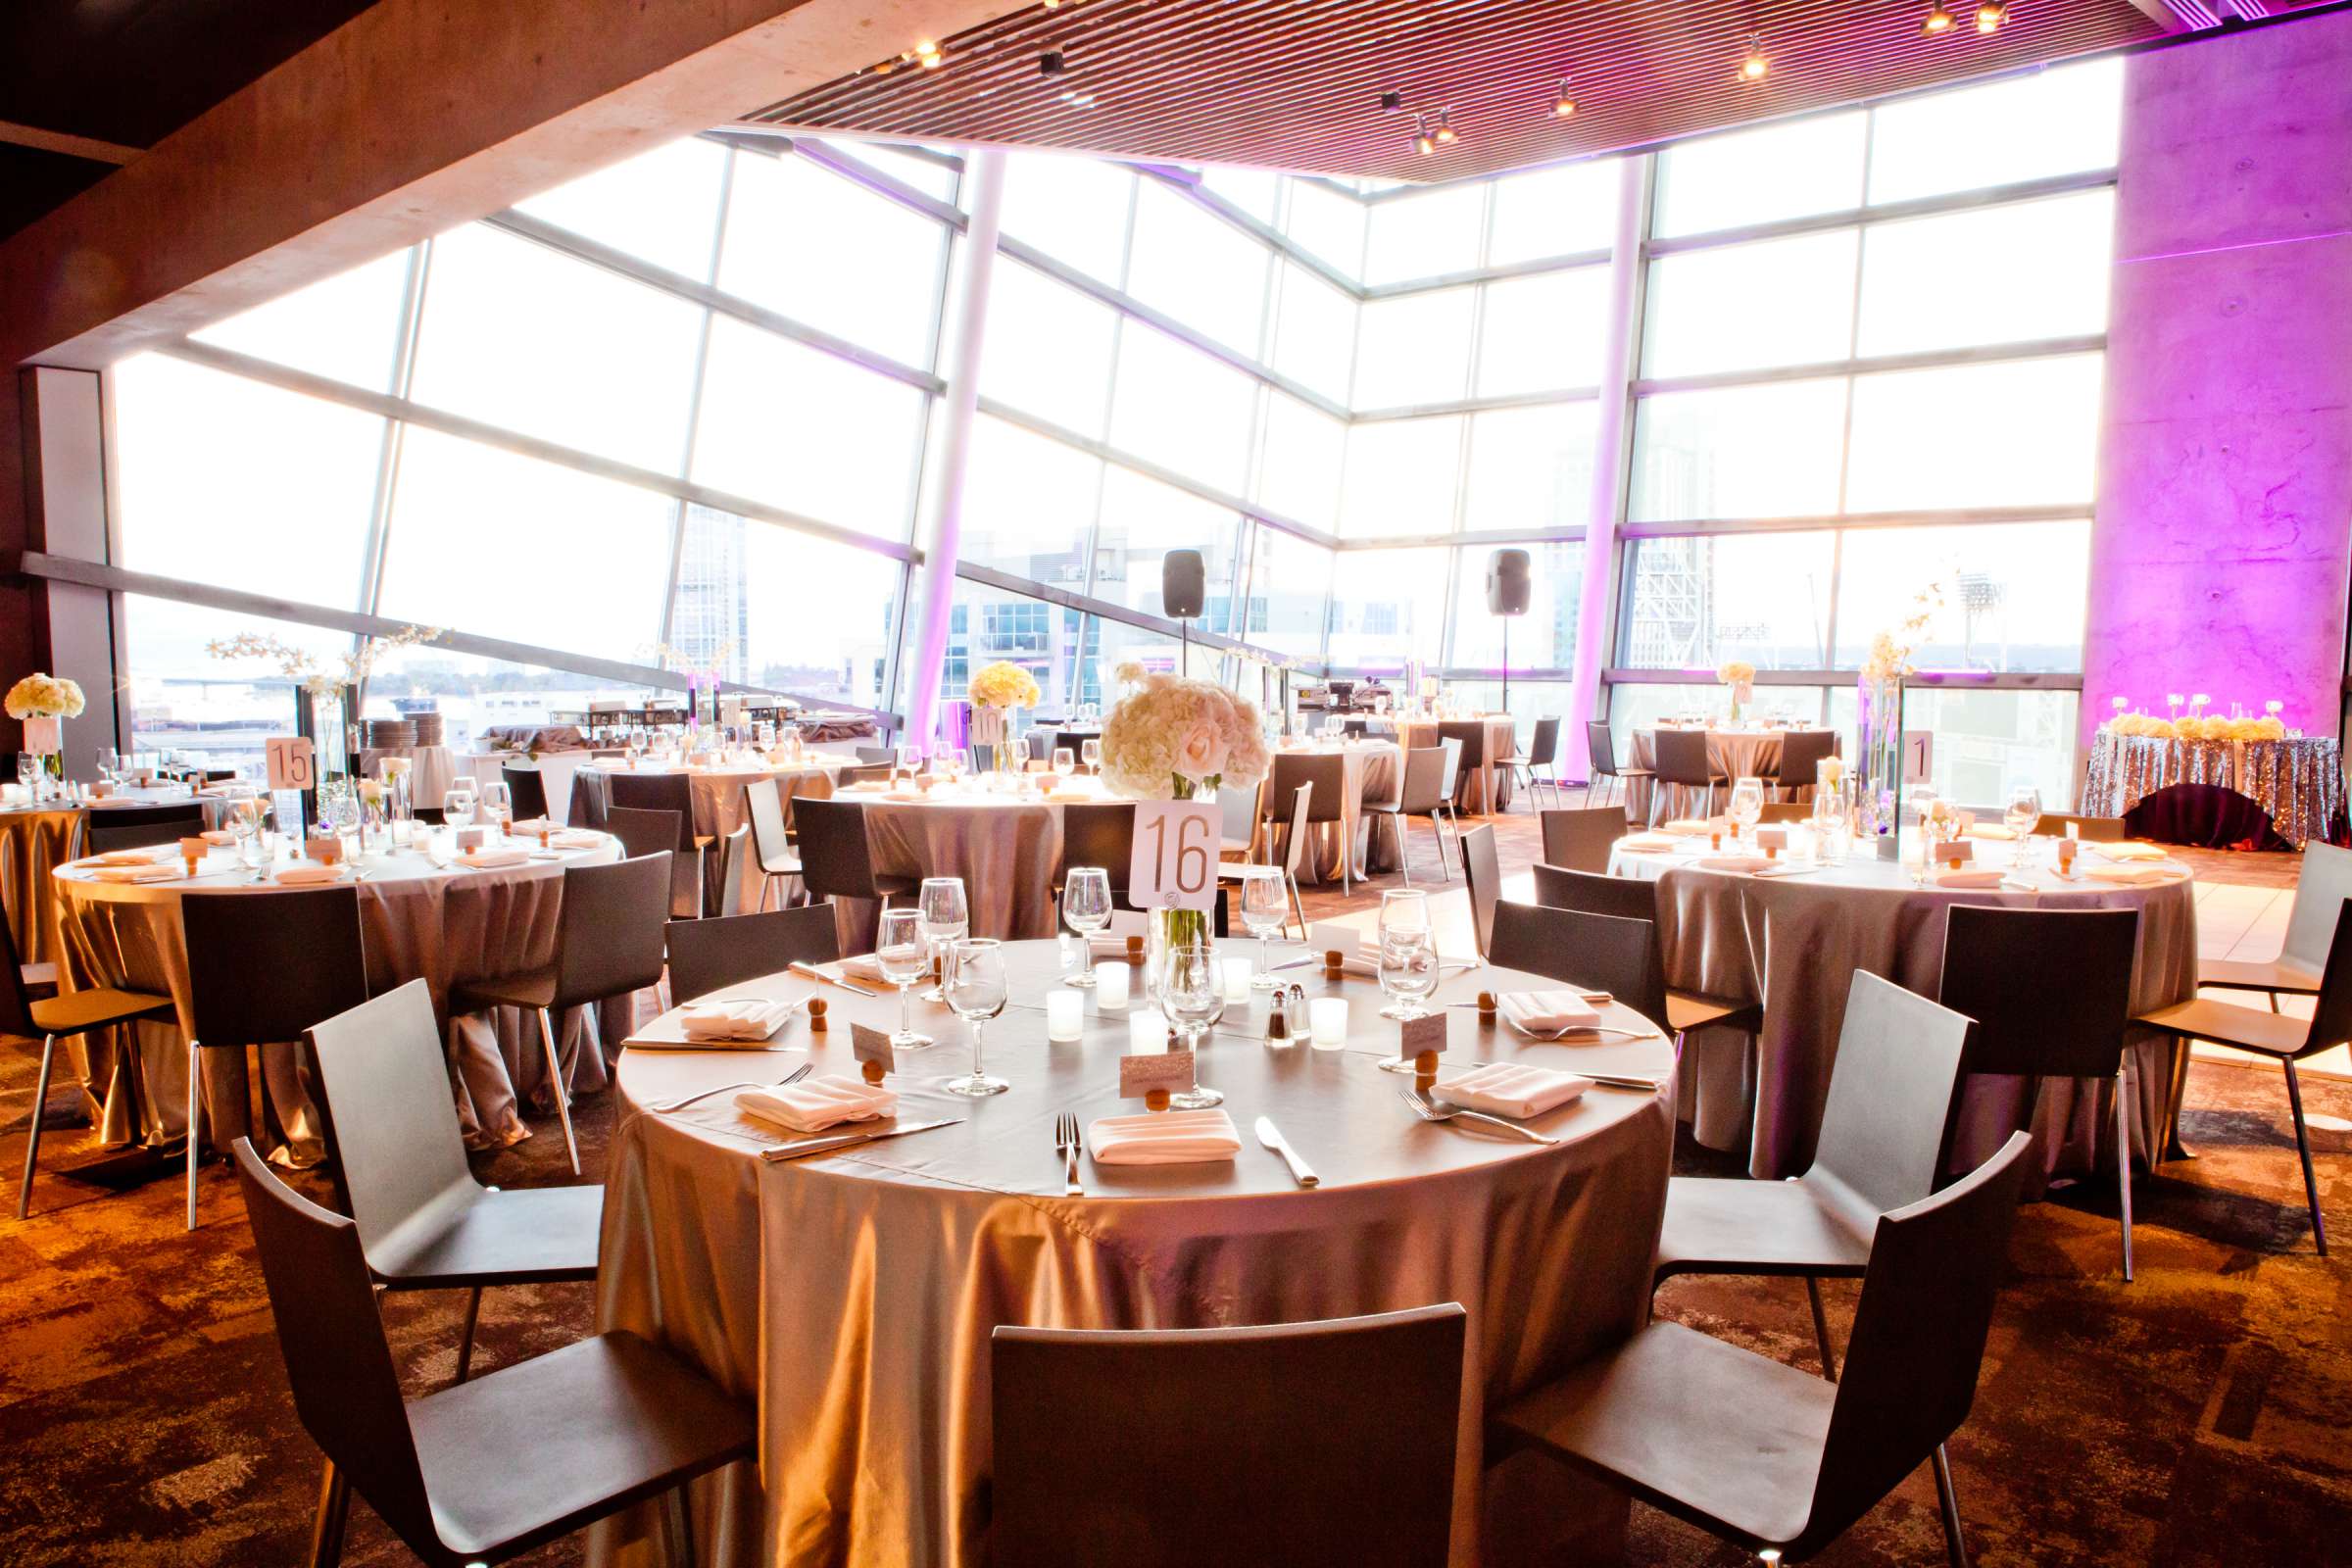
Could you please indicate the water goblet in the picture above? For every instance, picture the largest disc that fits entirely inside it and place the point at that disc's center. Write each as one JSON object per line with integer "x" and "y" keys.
{"x": 1746, "y": 806}
{"x": 947, "y": 916}
{"x": 976, "y": 990}
{"x": 2022, "y": 816}
{"x": 1085, "y": 909}
{"x": 1408, "y": 952}
{"x": 1064, "y": 764}
{"x": 902, "y": 956}
{"x": 496, "y": 803}
{"x": 1191, "y": 993}
{"x": 1090, "y": 752}
{"x": 1264, "y": 910}
{"x": 457, "y": 807}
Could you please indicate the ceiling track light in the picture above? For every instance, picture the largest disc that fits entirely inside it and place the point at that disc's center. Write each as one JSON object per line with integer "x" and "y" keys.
{"x": 1423, "y": 142}
{"x": 1938, "y": 20}
{"x": 1051, "y": 63}
{"x": 1756, "y": 65}
{"x": 927, "y": 55}
{"x": 1990, "y": 14}
{"x": 1444, "y": 128}
{"x": 1563, "y": 104}
{"x": 1391, "y": 101}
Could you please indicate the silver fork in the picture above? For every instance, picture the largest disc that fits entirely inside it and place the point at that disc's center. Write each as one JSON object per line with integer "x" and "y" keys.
{"x": 1065, "y": 1143}
{"x": 680, "y": 1104}
{"x": 1448, "y": 1110}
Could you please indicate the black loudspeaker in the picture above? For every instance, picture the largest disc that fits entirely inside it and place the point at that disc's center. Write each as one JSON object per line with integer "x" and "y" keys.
{"x": 1507, "y": 586}
{"x": 1183, "y": 583}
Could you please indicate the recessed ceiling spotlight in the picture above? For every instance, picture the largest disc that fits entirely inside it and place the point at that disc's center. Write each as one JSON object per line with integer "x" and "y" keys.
{"x": 927, "y": 54}
{"x": 1754, "y": 67}
{"x": 1392, "y": 101}
{"x": 1444, "y": 128}
{"x": 1563, "y": 104}
{"x": 1938, "y": 20}
{"x": 1423, "y": 142}
{"x": 1990, "y": 14}
{"x": 1051, "y": 63}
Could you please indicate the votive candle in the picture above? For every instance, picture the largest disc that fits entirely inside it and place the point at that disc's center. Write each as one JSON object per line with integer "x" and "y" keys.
{"x": 1326, "y": 1022}
{"x": 1237, "y": 972}
{"x": 1148, "y": 1033}
{"x": 1065, "y": 1015}
{"x": 1110, "y": 984}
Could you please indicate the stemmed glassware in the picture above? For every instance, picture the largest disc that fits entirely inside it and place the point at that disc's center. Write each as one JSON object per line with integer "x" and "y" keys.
{"x": 1746, "y": 806}
{"x": 110, "y": 763}
{"x": 1192, "y": 994}
{"x": 902, "y": 956}
{"x": 245, "y": 819}
{"x": 976, "y": 991}
{"x": 497, "y": 803}
{"x": 1921, "y": 798}
{"x": 1064, "y": 764}
{"x": 1090, "y": 752}
{"x": 2022, "y": 816}
{"x": 947, "y": 916}
{"x": 1408, "y": 953}
{"x": 1085, "y": 909}
{"x": 1265, "y": 909}
{"x": 457, "y": 807}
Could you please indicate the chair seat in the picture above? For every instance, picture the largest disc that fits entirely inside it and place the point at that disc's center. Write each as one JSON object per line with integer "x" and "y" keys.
{"x": 1635, "y": 772}
{"x": 1750, "y": 1227}
{"x": 2271, "y": 974}
{"x": 38, "y": 976}
{"x": 2247, "y": 1028}
{"x": 77, "y": 1011}
{"x": 531, "y": 1235}
{"x": 1700, "y": 1428}
{"x": 781, "y": 866}
{"x": 1685, "y": 1011}
{"x": 532, "y": 1450}
{"x": 533, "y": 988}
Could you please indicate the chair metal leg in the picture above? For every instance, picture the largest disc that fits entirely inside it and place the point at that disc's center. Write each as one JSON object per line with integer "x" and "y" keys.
{"x": 1297, "y": 905}
{"x": 678, "y": 1515}
{"x": 1955, "y": 1545}
{"x": 335, "y": 1510}
{"x": 2311, "y": 1186}
{"x": 473, "y": 1315}
{"x": 1405, "y": 867}
{"x": 554, "y": 1076}
{"x": 195, "y": 1134}
{"x": 32, "y": 1127}
{"x": 2123, "y": 1154}
{"x": 1821, "y": 1329}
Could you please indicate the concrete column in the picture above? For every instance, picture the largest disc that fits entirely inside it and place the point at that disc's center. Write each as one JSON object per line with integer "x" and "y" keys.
{"x": 2223, "y": 543}
{"x": 65, "y": 502}
{"x": 943, "y": 507}
{"x": 1612, "y": 454}
{"x": 23, "y": 605}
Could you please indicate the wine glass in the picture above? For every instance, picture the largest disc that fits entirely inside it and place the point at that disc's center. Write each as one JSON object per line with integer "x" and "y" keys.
{"x": 1408, "y": 953}
{"x": 900, "y": 954}
{"x": 1746, "y": 806}
{"x": 1090, "y": 752}
{"x": 2022, "y": 816}
{"x": 975, "y": 988}
{"x": 1922, "y": 798}
{"x": 1085, "y": 909}
{"x": 947, "y": 916}
{"x": 245, "y": 817}
{"x": 1065, "y": 762}
{"x": 457, "y": 807}
{"x": 496, "y": 805}
{"x": 1264, "y": 910}
{"x": 110, "y": 763}
{"x": 1192, "y": 996}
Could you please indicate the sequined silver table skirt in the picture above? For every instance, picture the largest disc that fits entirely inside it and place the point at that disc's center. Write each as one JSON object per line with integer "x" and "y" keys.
{"x": 2300, "y": 782}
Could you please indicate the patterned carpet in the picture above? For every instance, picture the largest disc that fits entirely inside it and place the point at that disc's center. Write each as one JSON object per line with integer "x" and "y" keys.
{"x": 2195, "y": 1417}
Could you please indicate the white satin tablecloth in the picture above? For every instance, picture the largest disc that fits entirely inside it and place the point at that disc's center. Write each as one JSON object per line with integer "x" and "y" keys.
{"x": 853, "y": 1295}
{"x": 1793, "y": 943}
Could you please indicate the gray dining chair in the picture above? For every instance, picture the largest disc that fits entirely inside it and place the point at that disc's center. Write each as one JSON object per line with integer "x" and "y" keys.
{"x": 1637, "y": 899}
{"x": 2322, "y": 881}
{"x": 1600, "y": 748}
{"x": 486, "y": 1470}
{"x": 1884, "y": 1129}
{"x": 400, "y": 1171}
{"x": 1482, "y": 870}
{"x": 1420, "y": 791}
{"x": 1801, "y": 754}
{"x": 1327, "y": 772}
{"x": 526, "y": 790}
{"x": 1683, "y": 764}
{"x": 673, "y": 793}
{"x": 1766, "y": 1457}
{"x": 1604, "y": 952}
{"x": 140, "y": 827}
{"x": 1534, "y": 767}
{"x": 1229, "y": 1445}
{"x": 1294, "y": 849}
{"x": 705, "y": 956}
{"x": 771, "y": 837}
{"x": 1581, "y": 840}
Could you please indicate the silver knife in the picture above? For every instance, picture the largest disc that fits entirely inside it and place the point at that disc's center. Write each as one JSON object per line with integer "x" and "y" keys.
{"x": 814, "y": 973}
{"x": 1272, "y": 1138}
{"x": 826, "y": 1146}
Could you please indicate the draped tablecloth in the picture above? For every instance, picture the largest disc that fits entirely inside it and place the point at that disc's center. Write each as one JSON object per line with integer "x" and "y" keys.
{"x": 1371, "y": 769}
{"x": 1481, "y": 789}
{"x": 1007, "y": 848}
{"x": 853, "y": 1295}
{"x": 35, "y": 840}
{"x": 415, "y": 920}
{"x": 719, "y": 807}
{"x": 2299, "y": 781}
{"x": 1793, "y": 943}
{"x": 1731, "y": 752}
{"x": 556, "y": 771}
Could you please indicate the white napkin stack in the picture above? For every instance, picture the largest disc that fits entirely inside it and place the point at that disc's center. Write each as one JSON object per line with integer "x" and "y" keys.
{"x": 2127, "y": 850}
{"x": 816, "y": 1104}
{"x": 1514, "y": 1090}
{"x": 742, "y": 1018}
{"x": 1165, "y": 1138}
{"x": 148, "y": 872}
{"x": 865, "y": 966}
{"x": 308, "y": 873}
{"x": 1990, "y": 830}
{"x": 533, "y": 826}
{"x": 493, "y": 857}
{"x": 1547, "y": 1013}
{"x": 218, "y": 835}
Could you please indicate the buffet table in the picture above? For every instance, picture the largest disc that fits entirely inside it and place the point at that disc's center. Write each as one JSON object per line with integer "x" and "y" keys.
{"x": 853, "y": 1295}
{"x": 2298, "y": 780}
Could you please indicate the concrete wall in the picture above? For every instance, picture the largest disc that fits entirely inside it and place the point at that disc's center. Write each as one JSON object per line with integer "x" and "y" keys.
{"x": 2223, "y": 544}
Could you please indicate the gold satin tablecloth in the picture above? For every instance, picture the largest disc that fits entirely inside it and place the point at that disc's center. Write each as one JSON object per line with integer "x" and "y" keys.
{"x": 1004, "y": 846}
{"x": 1733, "y": 752}
{"x": 35, "y": 840}
{"x": 853, "y": 1295}
{"x": 2299, "y": 781}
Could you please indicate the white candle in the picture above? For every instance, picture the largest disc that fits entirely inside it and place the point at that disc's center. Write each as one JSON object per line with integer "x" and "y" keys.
{"x": 1148, "y": 1033}
{"x": 1110, "y": 984}
{"x": 1326, "y": 1022}
{"x": 1237, "y": 979}
{"x": 1065, "y": 1015}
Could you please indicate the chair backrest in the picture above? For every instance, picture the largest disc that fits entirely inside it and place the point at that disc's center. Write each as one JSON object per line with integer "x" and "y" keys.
{"x": 609, "y": 931}
{"x": 1681, "y": 757}
{"x": 707, "y": 955}
{"x": 658, "y": 792}
{"x": 2089, "y": 829}
{"x": 1610, "y": 952}
{"x": 1327, "y": 771}
{"x": 1099, "y": 833}
{"x": 1621, "y": 898}
{"x": 265, "y": 967}
{"x": 590, "y": 799}
{"x": 331, "y": 1336}
{"x": 734, "y": 853}
{"x": 875, "y": 753}
{"x": 16, "y": 1003}
{"x": 136, "y": 827}
{"x": 527, "y": 787}
{"x": 2331, "y": 1013}
{"x": 1231, "y": 1445}
{"x": 1421, "y": 787}
{"x": 2321, "y": 884}
{"x": 836, "y": 861}
{"x": 1602, "y": 745}
{"x": 1545, "y": 745}
{"x": 1452, "y": 748}
{"x": 1483, "y": 871}
{"x": 392, "y": 1134}
{"x": 1581, "y": 840}
{"x": 2049, "y": 990}
{"x": 1889, "y": 1105}
{"x": 642, "y": 832}
{"x": 771, "y": 833}
{"x": 1293, "y": 842}
{"x": 867, "y": 773}
{"x": 1785, "y": 811}
{"x": 1801, "y": 752}
{"x": 1236, "y": 811}
{"x": 1918, "y": 1340}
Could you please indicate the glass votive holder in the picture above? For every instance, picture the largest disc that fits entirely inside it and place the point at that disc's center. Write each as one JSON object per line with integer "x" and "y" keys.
{"x": 1326, "y": 1022}
{"x": 1110, "y": 984}
{"x": 1065, "y": 1015}
{"x": 1148, "y": 1033}
{"x": 1237, "y": 973}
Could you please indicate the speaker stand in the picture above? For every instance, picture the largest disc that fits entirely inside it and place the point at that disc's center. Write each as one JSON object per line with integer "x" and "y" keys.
{"x": 1506, "y": 663}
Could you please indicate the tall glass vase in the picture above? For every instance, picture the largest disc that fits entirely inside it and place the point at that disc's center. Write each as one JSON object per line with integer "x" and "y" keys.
{"x": 1879, "y": 766}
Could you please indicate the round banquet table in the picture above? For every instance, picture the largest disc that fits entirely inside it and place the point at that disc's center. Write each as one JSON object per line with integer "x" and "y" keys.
{"x": 35, "y": 840}
{"x": 1482, "y": 789}
{"x": 1371, "y": 769}
{"x": 1730, "y": 752}
{"x": 1793, "y": 943}
{"x": 719, "y": 807}
{"x": 853, "y": 1295}
{"x": 442, "y": 923}
{"x": 2299, "y": 781}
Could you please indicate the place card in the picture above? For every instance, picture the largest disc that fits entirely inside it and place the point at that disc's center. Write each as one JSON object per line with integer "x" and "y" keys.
{"x": 1153, "y": 1078}
{"x": 472, "y": 838}
{"x": 1772, "y": 840}
{"x": 1423, "y": 1038}
{"x": 325, "y": 850}
{"x": 1955, "y": 851}
{"x": 872, "y": 1049}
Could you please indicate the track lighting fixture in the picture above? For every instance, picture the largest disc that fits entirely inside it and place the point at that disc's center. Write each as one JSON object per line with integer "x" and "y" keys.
{"x": 1564, "y": 103}
{"x": 1938, "y": 20}
{"x": 926, "y": 53}
{"x": 1049, "y": 64}
{"x": 1754, "y": 67}
{"x": 1423, "y": 142}
{"x": 1990, "y": 14}
{"x": 1392, "y": 101}
{"x": 1442, "y": 128}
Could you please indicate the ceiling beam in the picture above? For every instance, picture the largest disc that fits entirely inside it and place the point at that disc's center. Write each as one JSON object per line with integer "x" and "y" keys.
{"x": 73, "y": 146}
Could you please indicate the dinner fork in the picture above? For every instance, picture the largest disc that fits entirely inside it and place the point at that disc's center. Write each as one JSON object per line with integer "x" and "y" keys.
{"x": 1065, "y": 1143}
{"x": 1446, "y": 1110}
{"x": 680, "y": 1104}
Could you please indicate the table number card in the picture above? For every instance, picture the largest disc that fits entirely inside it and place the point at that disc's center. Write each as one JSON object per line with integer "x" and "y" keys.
{"x": 292, "y": 763}
{"x": 872, "y": 1047}
{"x": 1162, "y": 1073}
{"x": 1174, "y": 865}
{"x": 1423, "y": 1036}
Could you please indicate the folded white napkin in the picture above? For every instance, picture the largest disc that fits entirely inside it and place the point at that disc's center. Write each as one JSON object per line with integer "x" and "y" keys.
{"x": 122, "y": 858}
{"x": 742, "y": 1018}
{"x": 1547, "y": 1013}
{"x": 2133, "y": 875}
{"x": 574, "y": 839}
{"x": 304, "y": 873}
{"x": 1733, "y": 862}
{"x": 1990, "y": 830}
{"x": 490, "y": 858}
{"x": 218, "y": 835}
{"x": 135, "y": 874}
{"x": 1646, "y": 843}
{"x": 1514, "y": 1090}
{"x": 2127, "y": 850}
{"x": 1164, "y": 1138}
{"x": 903, "y": 795}
{"x": 1971, "y": 878}
{"x": 1067, "y": 794}
{"x": 1688, "y": 827}
{"x": 865, "y": 966}
{"x": 870, "y": 786}
{"x": 816, "y": 1104}
{"x": 534, "y": 825}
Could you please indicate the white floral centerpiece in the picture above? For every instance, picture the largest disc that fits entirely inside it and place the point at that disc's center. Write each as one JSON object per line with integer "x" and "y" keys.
{"x": 1740, "y": 677}
{"x": 41, "y": 702}
{"x": 1174, "y": 739}
{"x": 996, "y": 690}
{"x": 336, "y": 694}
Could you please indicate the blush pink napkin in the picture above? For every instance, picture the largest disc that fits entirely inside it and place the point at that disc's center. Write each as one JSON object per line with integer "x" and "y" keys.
{"x": 1514, "y": 1090}
{"x": 816, "y": 1104}
{"x": 1547, "y": 1013}
{"x": 1163, "y": 1138}
{"x": 135, "y": 874}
